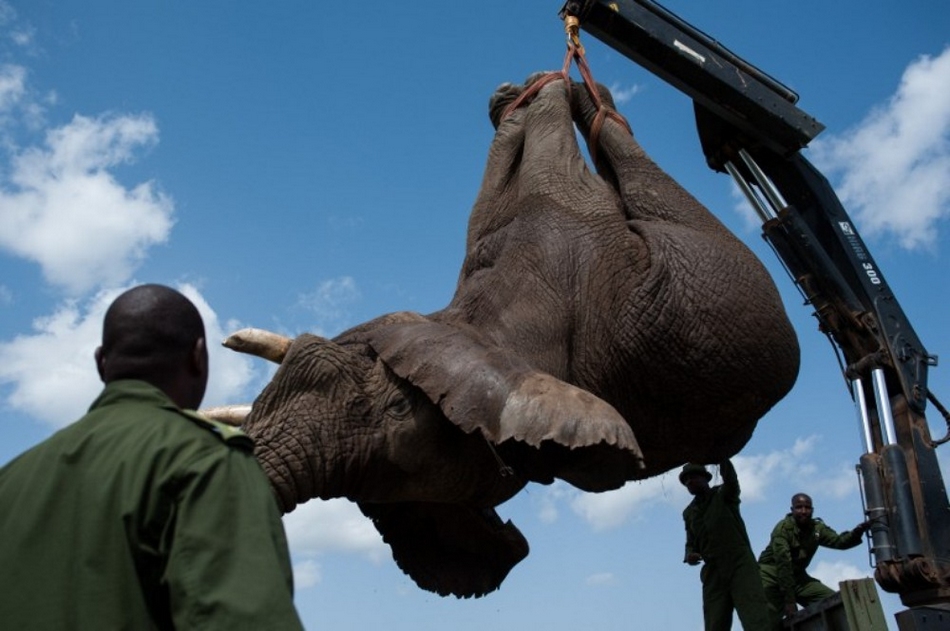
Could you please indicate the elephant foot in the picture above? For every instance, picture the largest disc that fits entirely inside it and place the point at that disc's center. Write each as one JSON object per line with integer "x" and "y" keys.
{"x": 507, "y": 94}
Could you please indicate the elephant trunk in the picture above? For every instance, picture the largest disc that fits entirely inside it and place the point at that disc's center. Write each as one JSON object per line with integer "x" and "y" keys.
{"x": 302, "y": 467}
{"x": 292, "y": 476}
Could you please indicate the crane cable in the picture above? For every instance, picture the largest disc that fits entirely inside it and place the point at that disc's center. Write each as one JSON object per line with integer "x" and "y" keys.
{"x": 946, "y": 417}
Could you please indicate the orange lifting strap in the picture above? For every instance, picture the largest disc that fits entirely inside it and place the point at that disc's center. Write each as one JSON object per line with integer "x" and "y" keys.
{"x": 575, "y": 53}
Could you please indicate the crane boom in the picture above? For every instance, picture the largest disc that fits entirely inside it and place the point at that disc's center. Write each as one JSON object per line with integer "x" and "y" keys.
{"x": 751, "y": 128}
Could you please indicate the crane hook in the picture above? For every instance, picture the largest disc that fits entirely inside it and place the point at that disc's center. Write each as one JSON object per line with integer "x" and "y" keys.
{"x": 572, "y": 26}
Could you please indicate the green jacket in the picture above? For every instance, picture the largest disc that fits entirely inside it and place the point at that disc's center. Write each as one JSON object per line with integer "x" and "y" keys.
{"x": 791, "y": 549}
{"x": 142, "y": 516}
{"x": 714, "y": 527}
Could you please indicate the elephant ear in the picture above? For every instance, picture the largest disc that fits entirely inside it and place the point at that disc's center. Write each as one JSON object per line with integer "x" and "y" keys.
{"x": 575, "y": 435}
{"x": 449, "y": 548}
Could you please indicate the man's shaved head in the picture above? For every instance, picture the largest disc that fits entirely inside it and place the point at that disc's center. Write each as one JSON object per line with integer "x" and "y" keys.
{"x": 150, "y": 333}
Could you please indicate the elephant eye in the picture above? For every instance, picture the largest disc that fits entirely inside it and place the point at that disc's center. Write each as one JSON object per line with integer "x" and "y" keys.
{"x": 399, "y": 405}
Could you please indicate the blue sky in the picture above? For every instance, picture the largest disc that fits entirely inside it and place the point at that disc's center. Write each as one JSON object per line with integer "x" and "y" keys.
{"x": 300, "y": 167}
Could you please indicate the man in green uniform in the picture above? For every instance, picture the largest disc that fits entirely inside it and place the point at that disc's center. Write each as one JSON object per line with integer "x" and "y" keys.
{"x": 716, "y": 535}
{"x": 792, "y": 545}
{"x": 143, "y": 514}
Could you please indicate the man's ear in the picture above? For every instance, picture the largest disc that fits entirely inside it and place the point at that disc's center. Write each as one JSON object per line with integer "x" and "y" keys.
{"x": 199, "y": 357}
{"x": 100, "y": 363}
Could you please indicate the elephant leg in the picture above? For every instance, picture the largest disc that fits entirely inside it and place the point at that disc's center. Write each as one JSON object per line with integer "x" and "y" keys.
{"x": 646, "y": 191}
{"x": 550, "y": 146}
{"x": 534, "y": 154}
{"x": 552, "y": 167}
{"x": 506, "y": 155}
{"x": 504, "y": 160}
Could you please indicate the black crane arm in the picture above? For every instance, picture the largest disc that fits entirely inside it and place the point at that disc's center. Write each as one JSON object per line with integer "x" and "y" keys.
{"x": 750, "y": 127}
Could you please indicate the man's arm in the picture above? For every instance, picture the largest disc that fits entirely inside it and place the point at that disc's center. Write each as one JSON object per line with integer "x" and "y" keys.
{"x": 228, "y": 565}
{"x": 692, "y": 556}
{"x": 829, "y": 538}
{"x": 730, "y": 482}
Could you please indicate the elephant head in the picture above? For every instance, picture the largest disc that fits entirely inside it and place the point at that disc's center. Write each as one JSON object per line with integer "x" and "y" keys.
{"x": 605, "y": 327}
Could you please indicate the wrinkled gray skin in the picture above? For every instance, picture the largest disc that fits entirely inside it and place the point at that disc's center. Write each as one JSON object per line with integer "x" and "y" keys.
{"x": 587, "y": 306}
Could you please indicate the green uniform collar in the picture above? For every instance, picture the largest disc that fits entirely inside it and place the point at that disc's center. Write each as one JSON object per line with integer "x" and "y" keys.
{"x": 135, "y": 390}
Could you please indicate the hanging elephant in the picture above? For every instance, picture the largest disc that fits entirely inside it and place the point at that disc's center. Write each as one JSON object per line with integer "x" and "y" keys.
{"x": 605, "y": 327}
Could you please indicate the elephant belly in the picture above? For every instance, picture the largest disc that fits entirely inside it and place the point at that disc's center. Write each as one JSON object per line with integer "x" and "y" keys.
{"x": 694, "y": 353}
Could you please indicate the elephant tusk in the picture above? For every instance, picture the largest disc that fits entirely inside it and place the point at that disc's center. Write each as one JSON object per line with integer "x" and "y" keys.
{"x": 230, "y": 414}
{"x": 259, "y": 342}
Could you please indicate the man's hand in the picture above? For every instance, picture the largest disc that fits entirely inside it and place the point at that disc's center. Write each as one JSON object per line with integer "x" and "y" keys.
{"x": 863, "y": 527}
{"x": 790, "y": 609}
{"x": 693, "y": 558}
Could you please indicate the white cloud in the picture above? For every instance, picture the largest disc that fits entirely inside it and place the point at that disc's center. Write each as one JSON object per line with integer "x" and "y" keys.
{"x": 757, "y": 474}
{"x": 608, "y": 510}
{"x": 744, "y": 208}
{"x": 320, "y": 527}
{"x": 62, "y": 207}
{"x": 841, "y": 482}
{"x": 329, "y": 303}
{"x": 7, "y": 13}
{"x": 548, "y": 500}
{"x": 230, "y": 372}
{"x": 613, "y": 508}
{"x": 18, "y": 105}
{"x": 832, "y": 573}
{"x": 20, "y": 34}
{"x": 52, "y": 370}
{"x": 337, "y": 525}
{"x": 602, "y": 578}
{"x": 12, "y": 85}
{"x": 64, "y": 210}
{"x": 895, "y": 165}
{"x": 623, "y": 94}
{"x": 307, "y": 574}
{"x": 23, "y": 36}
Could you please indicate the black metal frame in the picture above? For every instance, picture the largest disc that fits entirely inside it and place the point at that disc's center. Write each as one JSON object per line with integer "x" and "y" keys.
{"x": 750, "y": 127}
